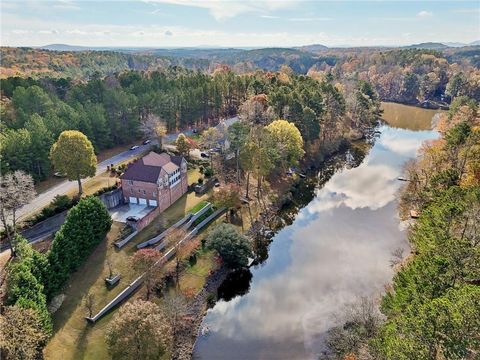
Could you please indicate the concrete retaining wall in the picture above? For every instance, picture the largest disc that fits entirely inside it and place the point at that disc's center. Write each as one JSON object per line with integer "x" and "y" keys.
{"x": 46, "y": 227}
{"x": 118, "y": 299}
{"x": 112, "y": 198}
{"x": 197, "y": 215}
{"x": 159, "y": 237}
{"x": 121, "y": 243}
{"x": 138, "y": 281}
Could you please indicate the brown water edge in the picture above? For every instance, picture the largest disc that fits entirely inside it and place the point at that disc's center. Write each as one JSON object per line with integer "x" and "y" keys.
{"x": 408, "y": 117}
{"x": 337, "y": 248}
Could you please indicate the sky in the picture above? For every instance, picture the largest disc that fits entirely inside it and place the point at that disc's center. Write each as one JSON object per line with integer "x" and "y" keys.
{"x": 232, "y": 23}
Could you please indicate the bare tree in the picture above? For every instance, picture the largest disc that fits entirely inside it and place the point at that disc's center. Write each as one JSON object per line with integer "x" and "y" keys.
{"x": 110, "y": 268}
{"x": 175, "y": 307}
{"x": 256, "y": 112}
{"x": 173, "y": 239}
{"x": 90, "y": 303}
{"x": 16, "y": 190}
{"x": 143, "y": 261}
{"x": 154, "y": 127}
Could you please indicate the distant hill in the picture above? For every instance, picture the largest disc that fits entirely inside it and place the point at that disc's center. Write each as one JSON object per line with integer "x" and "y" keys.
{"x": 64, "y": 47}
{"x": 454, "y": 44}
{"x": 475, "y": 43}
{"x": 428, "y": 46}
{"x": 312, "y": 48}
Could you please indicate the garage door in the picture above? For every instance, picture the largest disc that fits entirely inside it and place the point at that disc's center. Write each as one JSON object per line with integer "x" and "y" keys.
{"x": 133, "y": 200}
{"x": 152, "y": 202}
{"x": 142, "y": 201}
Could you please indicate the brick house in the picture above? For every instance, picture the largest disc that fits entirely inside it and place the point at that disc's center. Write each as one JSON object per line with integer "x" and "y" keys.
{"x": 155, "y": 180}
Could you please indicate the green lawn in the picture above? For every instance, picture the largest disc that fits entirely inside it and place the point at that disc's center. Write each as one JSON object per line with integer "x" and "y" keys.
{"x": 197, "y": 207}
{"x": 73, "y": 337}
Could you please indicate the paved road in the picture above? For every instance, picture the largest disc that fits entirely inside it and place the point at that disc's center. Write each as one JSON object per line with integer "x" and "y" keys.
{"x": 47, "y": 196}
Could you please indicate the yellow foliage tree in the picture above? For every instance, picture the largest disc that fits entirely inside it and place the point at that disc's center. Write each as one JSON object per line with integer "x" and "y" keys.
{"x": 73, "y": 156}
{"x": 288, "y": 141}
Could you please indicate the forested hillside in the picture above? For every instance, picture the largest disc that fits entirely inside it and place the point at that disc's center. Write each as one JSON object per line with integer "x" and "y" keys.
{"x": 412, "y": 76}
{"x": 431, "y": 311}
{"x": 430, "y": 77}
{"x": 111, "y": 110}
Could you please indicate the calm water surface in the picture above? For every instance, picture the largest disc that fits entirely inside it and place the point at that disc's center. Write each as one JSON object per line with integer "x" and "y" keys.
{"x": 337, "y": 249}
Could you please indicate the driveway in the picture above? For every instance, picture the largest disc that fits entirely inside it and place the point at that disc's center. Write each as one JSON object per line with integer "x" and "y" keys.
{"x": 43, "y": 199}
{"x": 122, "y": 212}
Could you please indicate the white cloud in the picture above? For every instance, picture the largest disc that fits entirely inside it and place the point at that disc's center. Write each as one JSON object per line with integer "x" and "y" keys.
{"x": 222, "y": 10}
{"x": 65, "y": 5}
{"x": 424, "y": 14}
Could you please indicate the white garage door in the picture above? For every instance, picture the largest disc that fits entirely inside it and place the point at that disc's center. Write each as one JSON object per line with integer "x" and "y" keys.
{"x": 133, "y": 200}
{"x": 152, "y": 202}
{"x": 142, "y": 201}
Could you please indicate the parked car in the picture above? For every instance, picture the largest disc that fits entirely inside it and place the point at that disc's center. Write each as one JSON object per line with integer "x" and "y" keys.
{"x": 59, "y": 174}
{"x": 132, "y": 218}
{"x": 146, "y": 142}
{"x": 204, "y": 155}
{"x": 134, "y": 147}
{"x": 217, "y": 183}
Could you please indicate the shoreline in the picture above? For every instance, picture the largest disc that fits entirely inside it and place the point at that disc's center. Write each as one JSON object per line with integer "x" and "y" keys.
{"x": 266, "y": 222}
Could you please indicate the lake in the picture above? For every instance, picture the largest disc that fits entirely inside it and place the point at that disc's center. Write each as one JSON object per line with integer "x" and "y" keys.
{"x": 337, "y": 249}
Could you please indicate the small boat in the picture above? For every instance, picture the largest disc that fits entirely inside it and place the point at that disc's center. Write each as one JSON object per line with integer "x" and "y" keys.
{"x": 303, "y": 176}
{"x": 401, "y": 178}
{"x": 414, "y": 214}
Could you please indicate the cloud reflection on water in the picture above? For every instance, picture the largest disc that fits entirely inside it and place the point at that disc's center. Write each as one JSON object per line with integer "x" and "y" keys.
{"x": 337, "y": 249}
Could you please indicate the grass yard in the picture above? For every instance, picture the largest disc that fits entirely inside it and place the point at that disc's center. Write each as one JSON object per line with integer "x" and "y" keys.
{"x": 73, "y": 337}
{"x": 94, "y": 184}
{"x": 51, "y": 181}
{"x": 194, "y": 277}
{"x": 198, "y": 207}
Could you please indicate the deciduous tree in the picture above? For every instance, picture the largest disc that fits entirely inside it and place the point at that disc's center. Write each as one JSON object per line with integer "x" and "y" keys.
{"x": 288, "y": 142}
{"x": 138, "y": 331}
{"x": 182, "y": 144}
{"x": 73, "y": 155}
{"x": 143, "y": 261}
{"x": 22, "y": 335}
{"x": 16, "y": 190}
{"x": 227, "y": 197}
